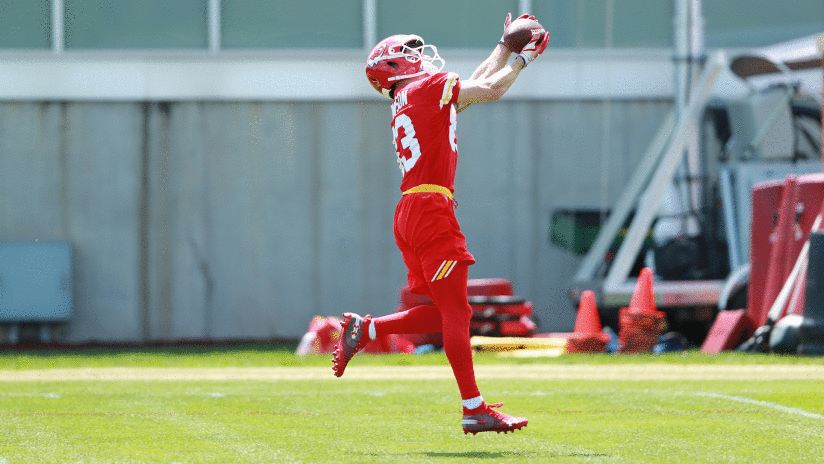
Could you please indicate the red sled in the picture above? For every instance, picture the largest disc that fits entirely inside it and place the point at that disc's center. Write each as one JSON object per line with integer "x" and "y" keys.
{"x": 488, "y": 307}
{"x": 323, "y": 333}
{"x": 495, "y": 311}
{"x": 487, "y": 328}
{"x": 474, "y": 288}
{"x": 521, "y": 327}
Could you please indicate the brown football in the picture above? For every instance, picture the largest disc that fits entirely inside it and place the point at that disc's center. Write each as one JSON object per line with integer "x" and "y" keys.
{"x": 519, "y": 33}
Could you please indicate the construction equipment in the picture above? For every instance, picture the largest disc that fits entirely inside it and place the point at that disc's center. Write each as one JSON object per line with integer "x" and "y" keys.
{"x": 700, "y": 252}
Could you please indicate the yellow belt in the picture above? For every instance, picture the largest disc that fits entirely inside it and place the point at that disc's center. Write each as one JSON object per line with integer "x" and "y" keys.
{"x": 430, "y": 188}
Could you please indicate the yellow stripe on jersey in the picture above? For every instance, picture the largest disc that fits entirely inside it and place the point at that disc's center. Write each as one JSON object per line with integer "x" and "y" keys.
{"x": 447, "y": 89}
{"x": 451, "y": 266}
{"x": 444, "y": 270}
{"x": 438, "y": 272}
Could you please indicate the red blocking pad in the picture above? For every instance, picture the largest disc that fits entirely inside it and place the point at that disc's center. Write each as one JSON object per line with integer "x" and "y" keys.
{"x": 728, "y": 331}
{"x": 773, "y": 252}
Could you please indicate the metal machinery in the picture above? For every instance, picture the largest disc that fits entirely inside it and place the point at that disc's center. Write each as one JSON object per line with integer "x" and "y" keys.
{"x": 700, "y": 250}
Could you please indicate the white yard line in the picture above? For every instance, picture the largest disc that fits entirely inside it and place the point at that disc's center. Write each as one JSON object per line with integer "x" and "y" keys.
{"x": 767, "y": 404}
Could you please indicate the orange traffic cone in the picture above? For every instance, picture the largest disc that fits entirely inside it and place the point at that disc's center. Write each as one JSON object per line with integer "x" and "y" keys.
{"x": 588, "y": 321}
{"x": 643, "y": 298}
{"x": 587, "y": 337}
{"x": 641, "y": 323}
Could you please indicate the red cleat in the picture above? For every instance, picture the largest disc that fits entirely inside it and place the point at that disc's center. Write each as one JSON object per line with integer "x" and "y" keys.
{"x": 352, "y": 339}
{"x": 484, "y": 419}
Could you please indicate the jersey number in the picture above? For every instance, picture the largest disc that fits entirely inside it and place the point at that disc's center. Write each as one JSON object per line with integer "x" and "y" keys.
{"x": 406, "y": 146}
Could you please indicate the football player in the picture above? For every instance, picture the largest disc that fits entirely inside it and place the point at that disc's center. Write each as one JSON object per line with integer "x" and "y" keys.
{"x": 424, "y": 108}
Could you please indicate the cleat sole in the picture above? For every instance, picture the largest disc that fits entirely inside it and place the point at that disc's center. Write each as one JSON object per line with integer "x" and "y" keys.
{"x": 341, "y": 355}
{"x": 505, "y": 431}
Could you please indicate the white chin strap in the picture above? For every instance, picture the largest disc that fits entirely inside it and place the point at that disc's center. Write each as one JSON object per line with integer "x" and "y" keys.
{"x": 429, "y": 67}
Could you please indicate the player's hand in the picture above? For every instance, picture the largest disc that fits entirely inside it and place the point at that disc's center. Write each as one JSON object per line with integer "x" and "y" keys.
{"x": 534, "y": 48}
{"x": 508, "y": 21}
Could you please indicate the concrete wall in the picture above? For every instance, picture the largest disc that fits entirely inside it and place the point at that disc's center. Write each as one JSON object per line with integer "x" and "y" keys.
{"x": 243, "y": 220}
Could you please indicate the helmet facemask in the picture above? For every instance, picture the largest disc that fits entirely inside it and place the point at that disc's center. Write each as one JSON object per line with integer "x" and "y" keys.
{"x": 416, "y": 50}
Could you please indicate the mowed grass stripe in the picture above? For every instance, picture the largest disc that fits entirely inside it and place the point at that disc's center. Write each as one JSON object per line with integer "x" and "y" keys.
{"x": 429, "y": 372}
{"x": 380, "y": 421}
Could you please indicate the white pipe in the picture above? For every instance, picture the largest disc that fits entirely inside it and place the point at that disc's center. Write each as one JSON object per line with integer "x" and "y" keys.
{"x": 730, "y": 219}
{"x": 214, "y": 26}
{"x": 606, "y": 115}
{"x": 58, "y": 26}
{"x": 696, "y": 53}
{"x": 681, "y": 45}
{"x": 682, "y": 58}
{"x": 783, "y": 297}
{"x": 525, "y": 7}
{"x": 696, "y": 30}
{"x": 370, "y": 24}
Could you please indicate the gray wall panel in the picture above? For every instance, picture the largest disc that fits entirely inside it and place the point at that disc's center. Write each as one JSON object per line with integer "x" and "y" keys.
{"x": 30, "y": 171}
{"x": 339, "y": 210}
{"x": 102, "y": 184}
{"x": 244, "y": 220}
{"x": 287, "y": 234}
{"x": 183, "y": 170}
{"x": 382, "y": 269}
{"x": 241, "y": 167}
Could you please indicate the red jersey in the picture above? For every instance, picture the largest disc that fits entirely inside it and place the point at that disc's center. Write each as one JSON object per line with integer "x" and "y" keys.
{"x": 423, "y": 124}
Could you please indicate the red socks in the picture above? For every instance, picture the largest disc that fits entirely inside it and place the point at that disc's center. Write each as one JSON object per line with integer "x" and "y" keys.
{"x": 418, "y": 320}
{"x": 450, "y": 316}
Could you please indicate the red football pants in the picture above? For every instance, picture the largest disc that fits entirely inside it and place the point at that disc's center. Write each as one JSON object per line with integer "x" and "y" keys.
{"x": 450, "y": 316}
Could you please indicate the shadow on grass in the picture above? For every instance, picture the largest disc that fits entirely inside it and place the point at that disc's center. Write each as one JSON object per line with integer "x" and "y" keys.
{"x": 496, "y": 455}
{"x": 504, "y": 454}
{"x": 459, "y": 455}
{"x": 475, "y": 454}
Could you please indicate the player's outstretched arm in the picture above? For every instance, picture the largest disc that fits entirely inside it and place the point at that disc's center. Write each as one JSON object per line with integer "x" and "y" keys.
{"x": 495, "y": 61}
{"x": 493, "y": 87}
{"x": 493, "y": 64}
{"x": 489, "y": 88}
{"x": 499, "y": 56}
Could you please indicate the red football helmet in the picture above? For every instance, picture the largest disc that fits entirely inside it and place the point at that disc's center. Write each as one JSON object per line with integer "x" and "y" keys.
{"x": 400, "y": 57}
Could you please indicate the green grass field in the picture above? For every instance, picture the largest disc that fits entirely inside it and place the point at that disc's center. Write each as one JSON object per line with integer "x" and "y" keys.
{"x": 408, "y": 413}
